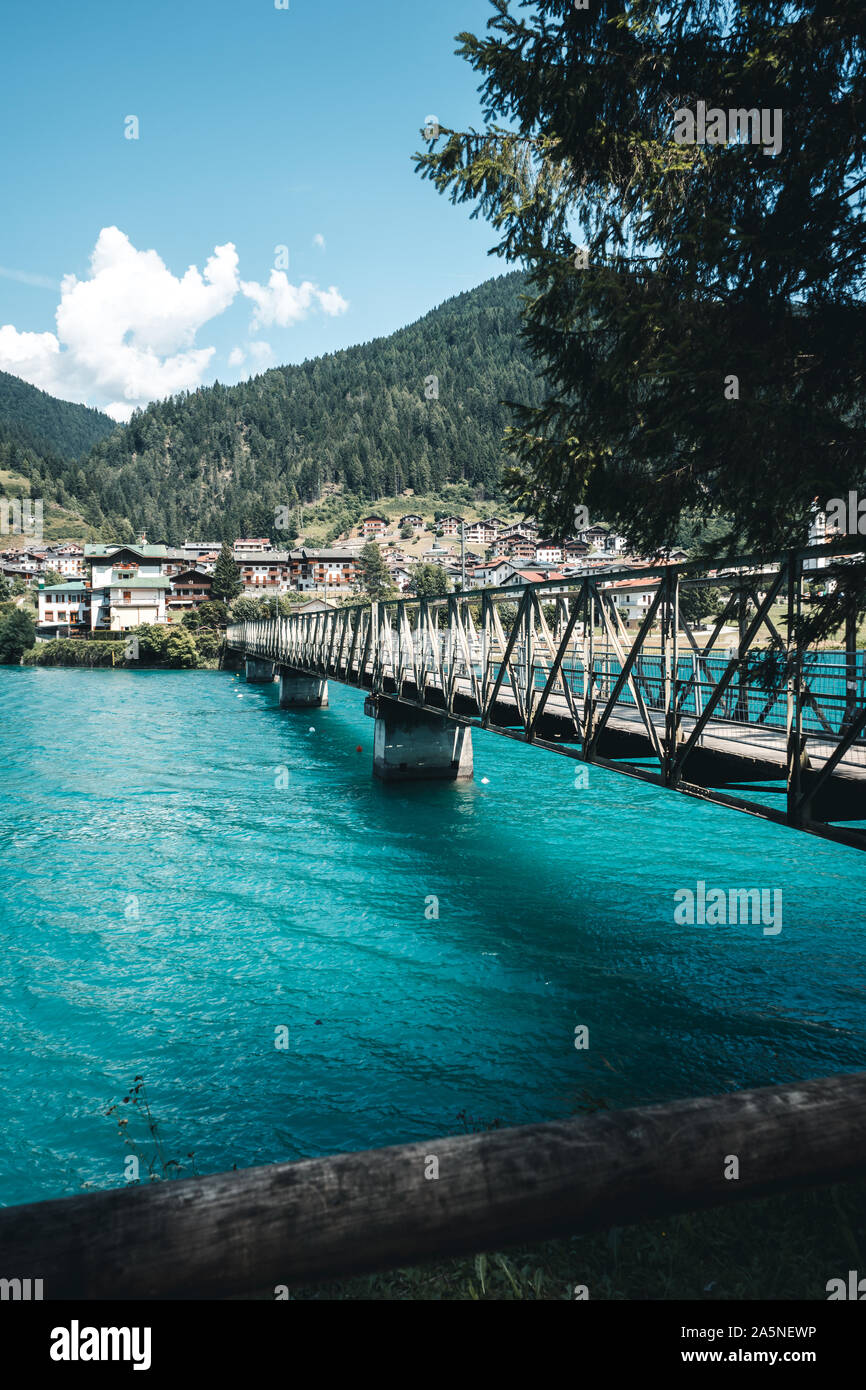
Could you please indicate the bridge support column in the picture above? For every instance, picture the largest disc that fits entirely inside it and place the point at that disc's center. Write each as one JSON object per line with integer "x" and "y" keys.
{"x": 259, "y": 672}
{"x": 415, "y": 745}
{"x": 300, "y": 691}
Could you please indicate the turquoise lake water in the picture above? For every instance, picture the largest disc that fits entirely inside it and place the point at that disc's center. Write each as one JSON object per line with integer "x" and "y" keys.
{"x": 167, "y": 905}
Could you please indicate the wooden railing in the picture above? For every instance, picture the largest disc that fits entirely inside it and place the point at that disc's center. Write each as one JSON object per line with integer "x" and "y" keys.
{"x": 243, "y": 1232}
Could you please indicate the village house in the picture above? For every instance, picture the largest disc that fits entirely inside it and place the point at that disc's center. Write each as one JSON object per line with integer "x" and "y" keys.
{"x": 401, "y": 577}
{"x": 131, "y": 602}
{"x": 437, "y": 554}
{"x": 63, "y": 609}
{"x": 491, "y": 575}
{"x": 518, "y": 547}
{"x": 525, "y": 530}
{"x": 67, "y": 560}
{"x": 260, "y": 572}
{"x": 313, "y": 605}
{"x": 101, "y": 560}
{"x": 373, "y": 526}
{"x": 174, "y": 562}
{"x": 256, "y": 546}
{"x": 412, "y": 519}
{"x": 548, "y": 552}
{"x": 676, "y": 556}
{"x": 189, "y": 589}
{"x": 194, "y": 550}
{"x": 449, "y": 525}
{"x": 480, "y": 533}
{"x": 25, "y": 570}
{"x": 604, "y": 540}
{"x": 70, "y": 566}
{"x": 594, "y": 536}
{"x": 632, "y": 598}
{"x": 127, "y": 585}
{"x": 329, "y": 571}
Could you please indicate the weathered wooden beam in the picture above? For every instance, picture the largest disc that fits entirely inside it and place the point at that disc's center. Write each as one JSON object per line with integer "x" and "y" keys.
{"x": 299, "y": 1222}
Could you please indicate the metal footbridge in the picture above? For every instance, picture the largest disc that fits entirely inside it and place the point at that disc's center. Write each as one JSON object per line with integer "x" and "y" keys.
{"x": 736, "y": 712}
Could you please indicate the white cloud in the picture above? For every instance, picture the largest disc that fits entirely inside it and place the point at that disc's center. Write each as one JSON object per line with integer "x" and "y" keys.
{"x": 319, "y": 240}
{"x": 126, "y": 334}
{"x": 19, "y": 349}
{"x": 332, "y": 302}
{"x": 260, "y": 353}
{"x": 282, "y": 303}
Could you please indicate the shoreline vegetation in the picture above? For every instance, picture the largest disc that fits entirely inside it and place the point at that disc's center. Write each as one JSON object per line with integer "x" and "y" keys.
{"x": 710, "y": 1256}
{"x": 72, "y": 651}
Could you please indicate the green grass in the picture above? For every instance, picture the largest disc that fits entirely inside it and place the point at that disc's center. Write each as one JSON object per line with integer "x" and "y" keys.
{"x": 784, "y": 1247}
{"x": 59, "y": 524}
{"x": 317, "y": 519}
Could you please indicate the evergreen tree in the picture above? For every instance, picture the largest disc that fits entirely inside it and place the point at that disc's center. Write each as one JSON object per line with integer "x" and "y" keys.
{"x": 375, "y": 578}
{"x": 227, "y": 582}
{"x": 221, "y": 461}
{"x": 704, "y": 351}
{"x": 699, "y": 603}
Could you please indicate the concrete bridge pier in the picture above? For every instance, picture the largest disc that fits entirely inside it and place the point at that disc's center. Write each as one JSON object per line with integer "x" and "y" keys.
{"x": 415, "y": 745}
{"x": 259, "y": 672}
{"x": 300, "y": 691}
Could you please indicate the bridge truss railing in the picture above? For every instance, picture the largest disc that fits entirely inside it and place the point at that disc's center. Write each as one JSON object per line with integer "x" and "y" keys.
{"x": 559, "y": 663}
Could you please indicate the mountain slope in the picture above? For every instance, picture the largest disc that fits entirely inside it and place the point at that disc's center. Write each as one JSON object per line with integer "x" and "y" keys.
{"x": 32, "y": 418}
{"x": 220, "y": 461}
{"x": 348, "y": 428}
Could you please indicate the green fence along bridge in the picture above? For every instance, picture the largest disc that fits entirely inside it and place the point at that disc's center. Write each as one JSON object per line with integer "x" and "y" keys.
{"x": 737, "y": 713}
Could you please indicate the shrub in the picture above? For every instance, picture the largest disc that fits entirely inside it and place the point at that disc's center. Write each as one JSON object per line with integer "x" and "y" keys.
{"x": 250, "y": 610}
{"x": 208, "y": 643}
{"x": 152, "y": 638}
{"x": 17, "y": 635}
{"x": 72, "y": 651}
{"x": 213, "y": 614}
{"x": 179, "y": 650}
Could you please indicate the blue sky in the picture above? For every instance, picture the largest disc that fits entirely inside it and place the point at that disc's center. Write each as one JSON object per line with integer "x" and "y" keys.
{"x": 258, "y": 128}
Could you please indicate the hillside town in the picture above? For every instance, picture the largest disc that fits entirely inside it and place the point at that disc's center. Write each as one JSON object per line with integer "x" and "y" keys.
{"x": 96, "y": 588}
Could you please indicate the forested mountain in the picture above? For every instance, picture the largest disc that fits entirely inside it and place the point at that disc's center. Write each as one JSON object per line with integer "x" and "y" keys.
{"x": 32, "y": 418}
{"x": 217, "y": 462}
